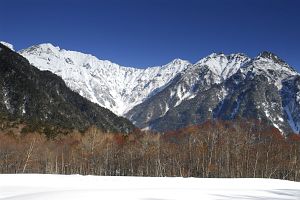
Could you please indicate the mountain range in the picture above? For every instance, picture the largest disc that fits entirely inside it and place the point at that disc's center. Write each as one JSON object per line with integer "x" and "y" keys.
{"x": 180, "y": 93}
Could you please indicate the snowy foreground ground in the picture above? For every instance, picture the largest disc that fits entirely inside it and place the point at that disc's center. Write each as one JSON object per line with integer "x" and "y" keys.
{"x": 76, "y": 187}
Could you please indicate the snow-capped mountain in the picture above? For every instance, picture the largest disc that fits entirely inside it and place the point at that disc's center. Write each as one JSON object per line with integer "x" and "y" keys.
{"x": 108, "y": 84}
{"x": 223, "y": 87}
{"x": 180, "y": 93}
{"x": 195, "y": 79}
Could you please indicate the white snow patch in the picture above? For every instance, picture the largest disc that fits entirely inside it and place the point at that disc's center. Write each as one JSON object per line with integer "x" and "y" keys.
{"x": 76, "y": 187}
{"x": 280, "y": 119}
{"x": 146, "y": 128}
{"x": 7, "y": 44}
{"x": 267, "y": 113}
{"x": 23, "y": 110}
{"x": 276, "y": 126}
{"x": 6, "y": 99}
{"x": 273, "y": 120}
{"x": 166, "y": 110}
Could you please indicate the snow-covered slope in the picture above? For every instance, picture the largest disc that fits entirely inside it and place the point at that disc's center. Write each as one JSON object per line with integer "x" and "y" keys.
{"x": 8, "y": 45}
{"x": 212, "y": 69}
{"x": 75, "y": 187}
{"x": 110, "y": 85}
{"x": 223, "y": 66}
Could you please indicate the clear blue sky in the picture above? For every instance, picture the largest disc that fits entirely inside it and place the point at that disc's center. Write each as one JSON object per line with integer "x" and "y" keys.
{"x": 142, "y": 33}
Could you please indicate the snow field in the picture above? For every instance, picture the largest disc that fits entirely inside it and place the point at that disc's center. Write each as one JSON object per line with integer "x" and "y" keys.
{"x": 76, "y": 187}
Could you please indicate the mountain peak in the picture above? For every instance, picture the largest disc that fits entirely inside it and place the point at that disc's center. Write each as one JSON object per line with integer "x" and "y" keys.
{"x": 221, "y": 55}
{"x": 44, "y": 47}
{"x": 213, "y": 55}
{"x": 178, "y": 61}
{"x": 238, "y": 55}
{"x": 223, "y": 65}
{"x": 48, "y": 45}
{"x": 271, "y": 56}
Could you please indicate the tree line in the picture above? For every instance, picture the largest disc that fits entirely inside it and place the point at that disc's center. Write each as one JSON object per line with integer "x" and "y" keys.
{"x": 213, "y": 149}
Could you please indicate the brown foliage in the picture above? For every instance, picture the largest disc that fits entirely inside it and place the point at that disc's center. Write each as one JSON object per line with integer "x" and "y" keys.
{"x": 213, "y": 149}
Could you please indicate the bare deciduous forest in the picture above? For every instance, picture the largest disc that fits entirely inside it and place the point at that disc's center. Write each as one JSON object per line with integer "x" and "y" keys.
{"x": 213, "y": 149}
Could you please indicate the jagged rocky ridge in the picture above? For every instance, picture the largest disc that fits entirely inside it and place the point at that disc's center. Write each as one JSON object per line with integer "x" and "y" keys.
{"x": 181, "y": 93}
{"x": 41, "y": 97}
